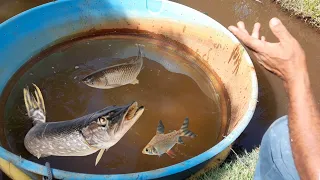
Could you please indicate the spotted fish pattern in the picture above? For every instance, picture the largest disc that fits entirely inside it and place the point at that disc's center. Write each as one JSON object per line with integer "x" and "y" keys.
{"x": 77, "y": 137}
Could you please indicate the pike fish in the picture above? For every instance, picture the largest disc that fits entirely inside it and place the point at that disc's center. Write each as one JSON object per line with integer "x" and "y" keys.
{"x": 162, "y": 143}
{"x": 116, "y": 75}
{"x": 82, "y": 136}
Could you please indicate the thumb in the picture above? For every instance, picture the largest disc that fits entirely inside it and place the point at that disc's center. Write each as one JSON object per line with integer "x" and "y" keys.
{"x": 279, "y": 30}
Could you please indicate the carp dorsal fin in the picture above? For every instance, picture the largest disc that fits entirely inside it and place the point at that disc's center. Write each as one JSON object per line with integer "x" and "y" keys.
{"x": 140, "y": 54}
{"x": 139, "y": 58}
{"x": 160, "y": 128}
{"x": 100, "y": 155}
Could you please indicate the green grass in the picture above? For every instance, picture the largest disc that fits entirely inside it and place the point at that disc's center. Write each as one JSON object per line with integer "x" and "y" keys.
{"x": 237, "y": 166}
{"x": 309, "y": 10}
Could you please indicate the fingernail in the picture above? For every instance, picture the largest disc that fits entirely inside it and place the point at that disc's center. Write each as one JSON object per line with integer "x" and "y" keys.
{"x": 274, "y": 21}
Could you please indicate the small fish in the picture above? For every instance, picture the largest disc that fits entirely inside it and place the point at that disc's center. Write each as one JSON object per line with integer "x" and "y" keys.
{"x": 116, "y": 75}
{"x": 82, "y": 136}
{"x": 162, "y": 143}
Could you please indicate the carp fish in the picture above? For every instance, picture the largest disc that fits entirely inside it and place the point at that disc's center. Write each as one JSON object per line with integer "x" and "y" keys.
{"x": 116, "y": 75}
{"x": 162, "y": 143}
{"x": 82, "y": 136}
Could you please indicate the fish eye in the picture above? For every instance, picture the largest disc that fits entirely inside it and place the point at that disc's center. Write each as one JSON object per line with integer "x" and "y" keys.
{"x": 102, "y": 120}
{"x": 147, "y": 149}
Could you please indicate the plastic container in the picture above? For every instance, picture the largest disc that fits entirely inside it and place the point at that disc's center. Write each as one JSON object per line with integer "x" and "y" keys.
{"x": 28, "y": 33}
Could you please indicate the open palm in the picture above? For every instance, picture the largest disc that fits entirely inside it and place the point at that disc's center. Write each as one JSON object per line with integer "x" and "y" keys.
{"x": 282, "y": 58}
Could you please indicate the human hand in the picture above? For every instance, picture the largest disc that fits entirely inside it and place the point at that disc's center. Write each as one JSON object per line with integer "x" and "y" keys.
{"x": 285, "y": 58}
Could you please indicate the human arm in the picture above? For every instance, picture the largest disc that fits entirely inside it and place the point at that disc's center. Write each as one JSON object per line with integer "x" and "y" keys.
{"x": 287, "y": 60}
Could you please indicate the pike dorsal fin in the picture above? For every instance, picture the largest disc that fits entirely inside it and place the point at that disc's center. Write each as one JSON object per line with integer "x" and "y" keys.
{"x": 160, "y": 128}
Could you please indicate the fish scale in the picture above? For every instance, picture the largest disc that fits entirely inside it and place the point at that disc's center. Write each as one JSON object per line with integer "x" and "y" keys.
{"x": 163, "y": 143}
{"x": 116, "y": 75}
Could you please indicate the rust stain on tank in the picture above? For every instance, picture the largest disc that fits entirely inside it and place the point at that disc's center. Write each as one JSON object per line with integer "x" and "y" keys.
{"x": 128, "y": 23}
{"x": 216, "y": 45}
{"x": 203, "y": 56}
{"x": 236, "y": 57}
{"x": 208, "y": 57}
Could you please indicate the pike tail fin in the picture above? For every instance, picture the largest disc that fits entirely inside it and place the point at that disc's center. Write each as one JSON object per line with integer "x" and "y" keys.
{"x": 185, "y": 131}
{"x": 35, "y": 104}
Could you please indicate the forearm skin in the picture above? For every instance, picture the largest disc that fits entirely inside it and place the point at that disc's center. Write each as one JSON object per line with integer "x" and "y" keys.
{"x": 304, "y": 126}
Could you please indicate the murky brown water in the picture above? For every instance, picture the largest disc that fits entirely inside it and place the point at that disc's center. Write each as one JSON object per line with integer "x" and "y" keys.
{"x": 272, "y": 97}
{"x": 168, "y": 96}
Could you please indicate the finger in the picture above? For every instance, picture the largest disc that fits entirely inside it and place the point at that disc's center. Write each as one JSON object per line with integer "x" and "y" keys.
{"x": 254, "y": 44}
{"x": 242, "y": 27}
{"x": 279, "y": 30}
{"x": 255, "y": 31}
{"x": 233, "y": 29}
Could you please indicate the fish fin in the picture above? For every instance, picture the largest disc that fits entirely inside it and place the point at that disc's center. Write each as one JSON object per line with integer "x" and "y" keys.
{"x": 140, "y": 54}
{"x": 38, "y": 156}
{"x": 34, "y": 103}
{"x": 184, "y": 129}
{"x": 40, "y": 100}
{"x": 171, "y": 153}
{"x": 136, "y": 81}
{"x": 180, "y": 141}
{"x": 100, "y": 155}
{"x": 26, "y": 100}
{"x": 160, "y": 128}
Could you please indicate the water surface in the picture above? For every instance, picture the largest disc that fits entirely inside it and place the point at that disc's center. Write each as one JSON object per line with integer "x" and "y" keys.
{"x": 167, "y": 95}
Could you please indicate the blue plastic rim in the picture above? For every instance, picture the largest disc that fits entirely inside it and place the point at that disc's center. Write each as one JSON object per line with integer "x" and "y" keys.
{"x": 20, "y": 40}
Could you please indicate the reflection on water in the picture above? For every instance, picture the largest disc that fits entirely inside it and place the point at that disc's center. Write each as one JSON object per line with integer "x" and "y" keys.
{"x": 242, "y": 10}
